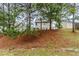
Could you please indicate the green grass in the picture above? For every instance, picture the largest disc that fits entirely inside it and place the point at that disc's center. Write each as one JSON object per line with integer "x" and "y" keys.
{"x": 36, "y": 52}
{"x": 67, "y": 33}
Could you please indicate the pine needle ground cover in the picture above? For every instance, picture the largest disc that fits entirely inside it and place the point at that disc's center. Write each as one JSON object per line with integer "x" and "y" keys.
{"x": 47, "y": 43}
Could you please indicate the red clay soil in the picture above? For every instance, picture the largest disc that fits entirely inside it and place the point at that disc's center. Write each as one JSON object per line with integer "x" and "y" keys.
{"x": 42, "y": 40}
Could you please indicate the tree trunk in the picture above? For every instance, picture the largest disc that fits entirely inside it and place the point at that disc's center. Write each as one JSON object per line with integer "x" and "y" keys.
{"x": 9, "y": 16}
{"x": 29, "y": 22}
{"x": 14, "y": 15}
{"x": 29, "y": 17}
{"x": 41, "y": 24}
{"x": 73, "y": 24}
{"x": 3, "y": 18}
{"x": 50, "y": 25}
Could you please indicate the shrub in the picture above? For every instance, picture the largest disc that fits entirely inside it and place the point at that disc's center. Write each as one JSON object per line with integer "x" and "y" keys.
{"x": 13, "y": 33}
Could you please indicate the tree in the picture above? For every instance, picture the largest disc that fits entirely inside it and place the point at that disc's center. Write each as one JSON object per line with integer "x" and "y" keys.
{"x": 51, "y": 12}
{"x": 8, "y": 18}
{"x": 72, "y": 10}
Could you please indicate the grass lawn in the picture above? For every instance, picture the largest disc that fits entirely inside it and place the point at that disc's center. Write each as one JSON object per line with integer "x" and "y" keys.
{"x": 51, "y": 49}
{"x": 37, "y": 52}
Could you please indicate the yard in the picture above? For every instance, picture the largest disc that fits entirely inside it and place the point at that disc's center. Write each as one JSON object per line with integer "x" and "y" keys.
{"x": 39, "y": 29}
{"x": 47, "y": 43}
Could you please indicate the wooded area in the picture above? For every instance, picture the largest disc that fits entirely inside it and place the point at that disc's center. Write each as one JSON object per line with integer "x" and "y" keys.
{"x": 9, "y": 13}
{"x": 39, "y": 25}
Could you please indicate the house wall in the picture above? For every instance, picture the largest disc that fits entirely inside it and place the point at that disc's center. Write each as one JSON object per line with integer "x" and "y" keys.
{"x": 46, "y": 25}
